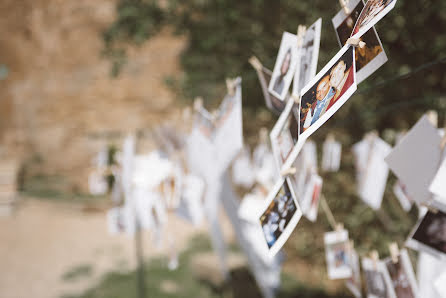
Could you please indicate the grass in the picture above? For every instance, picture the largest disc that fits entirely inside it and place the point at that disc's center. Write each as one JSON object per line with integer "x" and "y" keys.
{"x": 162, "y": 283}
{"x": 77, "y": 272}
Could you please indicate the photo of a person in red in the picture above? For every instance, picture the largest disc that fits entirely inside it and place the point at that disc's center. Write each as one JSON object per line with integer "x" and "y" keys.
{"x": 325, "y": 92}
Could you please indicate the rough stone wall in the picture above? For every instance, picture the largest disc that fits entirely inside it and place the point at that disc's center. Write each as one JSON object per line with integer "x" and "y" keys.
{"x": 59, "y": 91}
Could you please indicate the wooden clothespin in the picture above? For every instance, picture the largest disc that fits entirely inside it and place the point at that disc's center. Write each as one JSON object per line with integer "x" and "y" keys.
{"x": 198, "y": 103}
{"x": 287, "y": 172}
{"x": 344, "y": 4}
{"x": 356, "y": 42}
{"x": 429, "y": 207}
{"x": 375, "y": 258}
{"x": 295, "y": 98}
{"x": 351, "y": 246}
{"x": 394, "y": 252}
{"x": 255, "y": 63}
{"x": 330, "y": 137}
{"x": 432, "y": 116}
{"x": 339, "y": 228}
{"x": 231, "y": 85}
{"x": 372, "y": 135}
{"x": 263, "y": 135}
{"x": 300, "y": 35}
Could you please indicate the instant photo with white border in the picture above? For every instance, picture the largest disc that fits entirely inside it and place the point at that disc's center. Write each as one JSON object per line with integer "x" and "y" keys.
{"x": 272, "y": 103}
{"x": 426, "y": 247}
{"x": 277, "y": 130}
{"x": 404, "y": 260}
{"x": 289, "y": 227}
{"x": 372, "y": 19}
{"x": 377, "y": 61}
{"x": 333, "y": 238}
{"x": 309, "y": 50}
{"x": 339, "y": 102}
{"x": 380, "y": 268}
{"x": 287, "y": 54}
{"x": 312, "y": 196}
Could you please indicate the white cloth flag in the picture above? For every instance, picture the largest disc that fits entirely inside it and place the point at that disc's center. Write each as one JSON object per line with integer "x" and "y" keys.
{"x": 242, "y": 169}
{"x": 228, "y": 139}
{"x": 373, "y": 171}
{"x": 266, "y": 271}
{"x": 416, "y": 158}
{"x": 191, "y": 202}
{"x": 331, "y": 155}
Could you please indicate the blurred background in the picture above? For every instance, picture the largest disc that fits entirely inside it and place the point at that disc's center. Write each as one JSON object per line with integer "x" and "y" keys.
{"x": 78, "y": 75}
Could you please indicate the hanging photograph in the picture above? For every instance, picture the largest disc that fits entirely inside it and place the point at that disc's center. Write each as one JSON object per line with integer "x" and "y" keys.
{"x": 369, "y": 58}
{"x": 308, "y": 55}
{"x": 372, "y": 13}
{"x": 402, "y": 275}
{"x": 279, "y": 216}
{"x": 377, "y": 279}
{"x": 337, "y": 254}
{"x": 327, "y": 92}
{"x": 272, "y": 103}
{"x": 430, "y": 234}
{"x": 354, "y": 282}
{"x": 285, "y": 66}
{"x": 284, "y": 135}
{"x": 312, "y": 195}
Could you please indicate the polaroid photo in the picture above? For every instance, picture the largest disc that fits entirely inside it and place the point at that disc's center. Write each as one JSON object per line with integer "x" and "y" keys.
{"x": 305, "y": 170}
{"x": 354, "y": 282}
{"x": 402, "y": 275}
{"x": 331, "y": 155}
{"x": 285, "y": 66}
{"x": 429, "y": 235}
{"x": 428, "y": 269}
{"x": 438, "y": 187}
{"x": 311, "y": 197}
{"x": 373, "y": 12}
{"x": 279, "y": 216}
{"x": 308, "y": 55}
{"x": 284, "y": 135}
{"x": 422, "y": 141}
{"x": 337, "y": 254}
{"x": 327, "y": 92}
{"x": 377, "y": 279}
{"x": 369, "y": 58}
{"x": 272, "y": 103}
{"x": 440, "y": 285}
{"x": 400, "y": 191}
{"x": 374, "y": 177}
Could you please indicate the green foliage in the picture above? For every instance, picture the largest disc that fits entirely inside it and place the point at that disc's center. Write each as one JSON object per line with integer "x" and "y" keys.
{"x": 223, "y": 34}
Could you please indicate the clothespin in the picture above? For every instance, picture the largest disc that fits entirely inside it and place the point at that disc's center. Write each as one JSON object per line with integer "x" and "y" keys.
{"x": 198, "y": 103}
{"x": 429, "y": 207}
{"x": 356, "y": 42}
{"x": 351, "y": 246}
{"x": 263, "y": 135}
{"x": 295, "y": 98}
{"x": 230, "y": 85}
{"x": 339, "y": 229}
{"x": 255, "y": 63}
{"x": 287, "y": 172}
{"x": 300, "y": 35}
{"x": 432, "y": 116}
{"x": 344, "y": 4}
{"x": 375, "y": 258}
{"x": 394, "y": 252}
{"x": 330, "y": 137}
{"x": 372, "y": 135}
